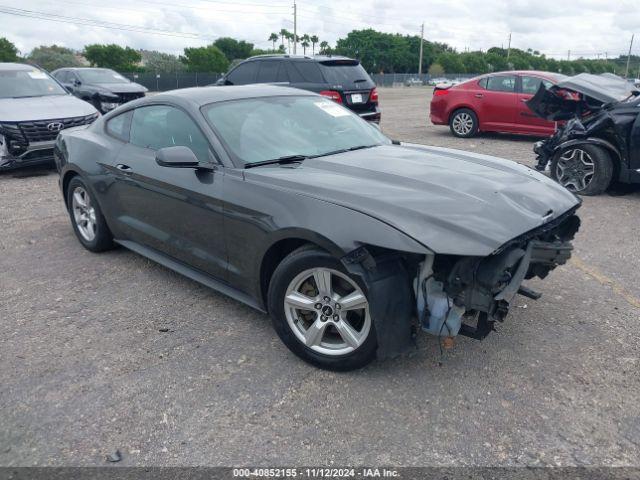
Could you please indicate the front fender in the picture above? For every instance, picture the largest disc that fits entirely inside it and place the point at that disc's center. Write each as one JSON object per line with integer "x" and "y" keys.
{"x": 590, "y": 141}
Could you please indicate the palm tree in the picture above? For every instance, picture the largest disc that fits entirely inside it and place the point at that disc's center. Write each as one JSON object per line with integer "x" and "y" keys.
{"x": 289, "y": 36}
{"x": 324, "y": 45}
{"x": 314, "y": 39}
{"x": 284, "y": 33}
{"x": 305, "y": 45}
{"x": 274, "y": 38}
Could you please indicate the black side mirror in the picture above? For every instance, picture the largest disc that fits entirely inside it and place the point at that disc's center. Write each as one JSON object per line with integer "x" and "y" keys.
{"x": 177, "y": 157}
{"x": 77, "y": 83}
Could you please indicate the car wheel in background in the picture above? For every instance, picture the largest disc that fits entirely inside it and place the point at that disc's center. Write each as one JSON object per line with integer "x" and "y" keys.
{"x": 584, "y": 169}
{"x": 86, "y": 218}
{"x": 463, "y": 123}
{"x": 320, "y": 312}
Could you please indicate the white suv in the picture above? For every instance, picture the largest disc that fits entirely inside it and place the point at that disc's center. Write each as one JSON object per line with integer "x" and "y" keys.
{"x": 33, "y": 109}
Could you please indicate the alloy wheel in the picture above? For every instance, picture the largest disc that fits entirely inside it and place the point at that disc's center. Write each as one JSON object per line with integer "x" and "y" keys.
{"x": 327, "y": 311}
{"x": 84, "y": 214}
{"x": 462, "y": 124}
{"x": 575, "y": 169}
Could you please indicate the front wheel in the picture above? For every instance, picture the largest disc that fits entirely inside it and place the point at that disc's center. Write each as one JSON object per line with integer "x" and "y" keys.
{"x": 320, "y": 312}
{"x": 583, "y": 169}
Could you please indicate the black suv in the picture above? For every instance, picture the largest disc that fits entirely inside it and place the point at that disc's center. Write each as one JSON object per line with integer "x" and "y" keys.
{"x": 339, "y": 78}
{"x": 106, "y": 89}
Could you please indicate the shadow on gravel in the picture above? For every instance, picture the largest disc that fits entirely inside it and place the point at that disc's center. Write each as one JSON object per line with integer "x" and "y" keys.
{"x": 25, "y": 172}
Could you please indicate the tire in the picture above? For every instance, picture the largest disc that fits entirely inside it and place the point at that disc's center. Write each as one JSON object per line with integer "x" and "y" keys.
{"x": 324, "y": 322}
{"x": 583, "y": 169}
{"x": 86, "y": 217}
{"x": 463, "y": 123}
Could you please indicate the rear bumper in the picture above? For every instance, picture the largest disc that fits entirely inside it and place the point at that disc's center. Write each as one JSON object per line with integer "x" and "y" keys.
{"x": 37, "y": 153}
{"x": 371, "y": 116}
{"x": 437, "y": 119}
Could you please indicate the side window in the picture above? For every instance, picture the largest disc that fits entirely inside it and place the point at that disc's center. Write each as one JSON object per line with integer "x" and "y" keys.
{"x": 269, "y": 71}
{"x": 119, "y": 125}
{"x": 483, "y": 82}
{"x": 63, "y": 76}
{"x": 305, "y": 72}
{"x": 244, "y": 73}
{"x": 502, "y": 83}
{"x": 530, "y": 85}
{"x": 161, "y": 126}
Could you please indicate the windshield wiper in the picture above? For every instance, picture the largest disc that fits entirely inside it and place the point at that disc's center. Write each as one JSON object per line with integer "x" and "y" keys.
{"x": 280, "y": 160}
{"x": 343, "y": 150}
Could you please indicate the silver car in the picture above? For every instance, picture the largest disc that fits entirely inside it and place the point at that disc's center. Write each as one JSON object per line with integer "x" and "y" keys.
{"x": 33, "y": 109}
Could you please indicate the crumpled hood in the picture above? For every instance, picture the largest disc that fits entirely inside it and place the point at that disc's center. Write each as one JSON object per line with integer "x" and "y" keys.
{"x": 451, "y": 201}
{"x": 555, "y": 104}
{"x": 129, "y": 87}
{"x": 48, "y": 107}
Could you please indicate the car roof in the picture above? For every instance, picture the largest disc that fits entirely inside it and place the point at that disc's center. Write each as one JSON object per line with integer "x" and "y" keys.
{"x": 204, "y": 95}
{"x": 12, "y": 67}
{"x": 284, "y": 56}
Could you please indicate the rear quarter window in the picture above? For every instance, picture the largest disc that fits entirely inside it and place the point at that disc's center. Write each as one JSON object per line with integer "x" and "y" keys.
{"x": 305, "y": 72}
{"x": 118, "y": 127}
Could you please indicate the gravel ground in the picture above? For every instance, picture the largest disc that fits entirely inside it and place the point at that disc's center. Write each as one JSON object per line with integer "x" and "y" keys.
{"x": 86, "y": 369}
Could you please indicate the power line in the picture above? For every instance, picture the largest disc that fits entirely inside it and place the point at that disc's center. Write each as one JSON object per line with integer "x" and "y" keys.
{"x": 100, "y": 24}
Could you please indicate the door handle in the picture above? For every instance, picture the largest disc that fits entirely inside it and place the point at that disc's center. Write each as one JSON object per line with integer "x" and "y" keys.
{"x": 524, "y": 100}
{"x": 479, "y": 95}
{"x": 124, "y": 168}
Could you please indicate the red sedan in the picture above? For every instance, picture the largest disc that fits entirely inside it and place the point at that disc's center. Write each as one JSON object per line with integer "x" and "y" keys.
{"x": 492, "y": 103}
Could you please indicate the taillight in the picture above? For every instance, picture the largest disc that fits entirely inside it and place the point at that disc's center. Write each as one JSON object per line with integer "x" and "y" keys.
{"x": 332, "y": 94}
{"x": 439, "y": 93}
{"x": 373, "y": 96}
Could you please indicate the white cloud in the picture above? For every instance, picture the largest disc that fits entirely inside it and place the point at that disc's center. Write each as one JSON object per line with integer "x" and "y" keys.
{"x": 585, "y": 27}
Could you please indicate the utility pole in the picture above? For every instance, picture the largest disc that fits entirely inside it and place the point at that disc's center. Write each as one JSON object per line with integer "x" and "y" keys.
{"x": 626, "y": 72}
{"x": 295, "y": 27}
{"x": 568, "y": 55}
{"x": 421, "y": 42}
{"x": 509, "y": 47}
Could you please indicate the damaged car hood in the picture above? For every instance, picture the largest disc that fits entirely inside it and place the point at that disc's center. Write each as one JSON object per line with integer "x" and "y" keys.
{"x": 552, "y": 104}
{"x": 451, "y": 201}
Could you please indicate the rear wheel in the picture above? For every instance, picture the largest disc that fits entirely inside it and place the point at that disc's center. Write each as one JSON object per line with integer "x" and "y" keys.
{"x": 320, "y": 312}
{"x": 464, "y": 123}
{"x": 583, "y": 169}
{"x": 87, "y": 220}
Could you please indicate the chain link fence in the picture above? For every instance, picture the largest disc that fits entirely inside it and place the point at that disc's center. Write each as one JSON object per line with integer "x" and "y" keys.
{"x": 161, "y": 82}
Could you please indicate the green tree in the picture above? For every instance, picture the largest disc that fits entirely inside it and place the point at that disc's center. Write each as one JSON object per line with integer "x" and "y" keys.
{"x": 53, "y": 57}
{"x": 314, "y": 40}
{"x": 451, "y": 62}
{"x": 324, "y": 46}
{"x": 436, "y": 70}
{"x": 274, "y": 38}
{"x": 113, "y": 56}
{"x": 155, "y": 61}
{"x": 205, "y": 59}
{"x": 8, "y": 51}
{"x": 234, "y": 49}
{"x": 305, "y": 45}
{"x": 284, "y": 34}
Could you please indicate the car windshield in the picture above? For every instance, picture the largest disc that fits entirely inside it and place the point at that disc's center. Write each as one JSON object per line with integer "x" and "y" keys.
{"x": 28, "y": 83}
{"x": 261, "y": 129}
{"x": 100, "y": 75}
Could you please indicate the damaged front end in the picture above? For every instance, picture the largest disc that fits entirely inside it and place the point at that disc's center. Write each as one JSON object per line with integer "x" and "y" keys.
{"x": 467, "y": 295}
{"x": 589, "y": 109}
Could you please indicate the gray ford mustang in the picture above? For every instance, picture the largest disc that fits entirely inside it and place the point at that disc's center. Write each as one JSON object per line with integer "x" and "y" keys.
{"x": 292, "y": 204}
